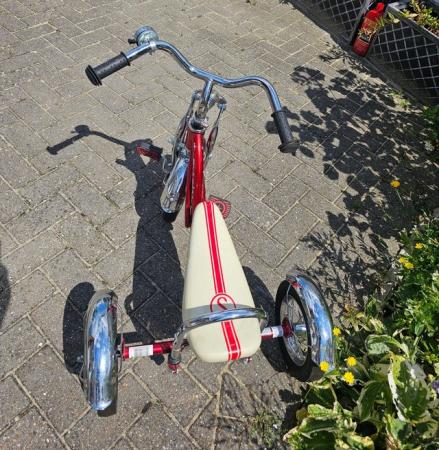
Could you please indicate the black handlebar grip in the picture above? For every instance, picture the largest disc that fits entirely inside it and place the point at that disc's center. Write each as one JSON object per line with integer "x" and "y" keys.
{"x": 288, "y": 143}
{"x": 96, "y": 74}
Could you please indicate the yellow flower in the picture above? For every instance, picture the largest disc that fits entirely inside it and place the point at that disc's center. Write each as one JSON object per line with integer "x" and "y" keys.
{"x": 403, "y": 260}
{"x": 418, "y": 245}
{"x": 408, "y": 265}
{"x": 395, "y": 184}
{"x": 351, "y": 361}
{"x": 324, "y": 366}
{"x": 349, "y": 378}
{"x": 336, "y": 331}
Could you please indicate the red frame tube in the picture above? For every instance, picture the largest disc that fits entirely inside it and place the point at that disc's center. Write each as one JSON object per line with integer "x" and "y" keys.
{"x": 195, "y": 190}
{"x": 156, "y": 348}
{"x": 165, "y": 346}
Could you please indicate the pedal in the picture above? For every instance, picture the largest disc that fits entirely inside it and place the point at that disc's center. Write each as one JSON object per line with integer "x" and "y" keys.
{"x": 150, "y": 150}
{"x": 223, "y": 205}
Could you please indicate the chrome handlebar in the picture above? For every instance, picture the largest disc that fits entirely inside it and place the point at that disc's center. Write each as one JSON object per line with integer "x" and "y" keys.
{"x": 214, "y": 317}
{"x": 147, "y": 42}
{"x": 208, "y": 77}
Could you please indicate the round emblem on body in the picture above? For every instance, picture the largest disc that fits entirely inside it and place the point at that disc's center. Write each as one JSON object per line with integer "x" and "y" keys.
{"x": 222, "y": 302}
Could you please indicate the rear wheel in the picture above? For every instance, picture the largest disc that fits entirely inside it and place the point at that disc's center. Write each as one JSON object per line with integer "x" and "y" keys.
{"x": 99, "y": 374}
{"x": 296, "y": 343}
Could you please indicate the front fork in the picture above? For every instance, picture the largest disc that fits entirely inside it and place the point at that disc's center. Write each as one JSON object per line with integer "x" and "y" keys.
{"x": 174, "y": 190}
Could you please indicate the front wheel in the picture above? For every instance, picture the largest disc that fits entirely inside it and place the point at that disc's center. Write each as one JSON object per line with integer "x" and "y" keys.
{"x": 298, "y": 345}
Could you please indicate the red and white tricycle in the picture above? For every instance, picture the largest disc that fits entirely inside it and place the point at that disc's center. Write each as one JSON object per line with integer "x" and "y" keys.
{"x": 220, "y": 321}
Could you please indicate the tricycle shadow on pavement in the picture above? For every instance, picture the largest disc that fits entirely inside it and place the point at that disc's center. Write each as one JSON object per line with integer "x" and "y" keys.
{"x": 146, "y": 203}
{"x": 5, "y": 293}
{"x": 153, "y": 316}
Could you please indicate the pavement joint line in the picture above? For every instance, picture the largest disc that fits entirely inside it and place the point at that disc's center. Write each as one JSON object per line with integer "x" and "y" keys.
{"x": 40, "y": 410}
{"x": 29, "y": 312}
{"x": 162, "y": 406}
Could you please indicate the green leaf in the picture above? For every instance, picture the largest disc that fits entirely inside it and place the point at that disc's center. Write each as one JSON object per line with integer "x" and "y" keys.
{"x": 319, "y": 441}
{"x": 322, "y": 395}
{"x": 381, "y": 344}
{"x": 409, "y": 390}
{"x": 319, "y": 411}
{"x": 370, "y": 392}
{"x": 312, "y": 425}
{"x": 353, "y": 441}
{"x": 397, "y": 429}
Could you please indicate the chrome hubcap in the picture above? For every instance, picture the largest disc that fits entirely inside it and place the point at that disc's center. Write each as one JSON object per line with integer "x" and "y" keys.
{"x": 297, "y": 342}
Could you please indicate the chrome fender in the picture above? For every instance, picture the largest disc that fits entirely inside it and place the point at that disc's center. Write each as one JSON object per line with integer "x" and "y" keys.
{"x": 319, "y": 318}
{"x": 100, "y": 369}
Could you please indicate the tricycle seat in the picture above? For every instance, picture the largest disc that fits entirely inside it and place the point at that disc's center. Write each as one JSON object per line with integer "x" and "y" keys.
{"x": 215, "y": 281}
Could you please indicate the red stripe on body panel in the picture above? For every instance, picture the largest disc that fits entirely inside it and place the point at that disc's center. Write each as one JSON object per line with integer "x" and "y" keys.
{"x": 228, "y": 328}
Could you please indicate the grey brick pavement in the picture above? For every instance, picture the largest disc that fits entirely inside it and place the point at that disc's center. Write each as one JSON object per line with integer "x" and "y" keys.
{"x": 79, "y": 210}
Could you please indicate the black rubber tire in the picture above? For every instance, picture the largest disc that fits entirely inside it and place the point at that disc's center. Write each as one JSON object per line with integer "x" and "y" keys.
{"x": 169, "y": 217}
{"x": 308, "y": 371}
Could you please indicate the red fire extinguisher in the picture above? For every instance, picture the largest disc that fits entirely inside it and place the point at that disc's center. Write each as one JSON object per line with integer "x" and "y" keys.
{"x": 368, "y": 29}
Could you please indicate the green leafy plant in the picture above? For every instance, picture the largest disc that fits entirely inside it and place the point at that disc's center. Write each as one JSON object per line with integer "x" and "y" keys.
{"x": 415, "y": 303}
{"x": 382, "y": 395}
{"x": 422, "y": 15}
{"x": 266, "y": 427}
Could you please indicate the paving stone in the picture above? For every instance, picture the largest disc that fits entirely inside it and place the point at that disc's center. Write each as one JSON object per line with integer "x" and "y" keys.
{"x": 122, "y": 444}
{"x": 243, "y": 151}
{"x": 208, "y": 374}
{"x": 256, "y": 211}
{"x": 278, "y": 167}
{"x": 31, "y": 431}
{"x": 179, "y": 394}
{"x": 35, "y": 221}
{"x": 286, "y": 194}
{"x": 159, "y": 316}
{"x": 293, "y": 225}
{"x": 33, "y": 114}
{"x": 258, "y": 242}
{"x": 62, "y": 400}
{"x": 67, "y": 270}
{"x": 233, "y": 433}
{"x": 167, "y": 274}
{"x": 263, "y": 282}
{"x": 34, "y": 253}
{"x": 97, "y": 432}
{"x": 316, "y": 181}
{"x": 49, "y": 185}
{"x": 111, "y": 100}
{"x": 84, "y": 237}
{"x": 18, "y": 343}
{"x": 97, "y": 171}
{"x": 15, "y": 169}
{"x": 204, "y": 427}
{"x": 171, "y": 238}
{"x": 6, "y": 242}
{"x": 235, "y": 400}
{"x": 11, "y": 205}
{"x": 122, "y": 226}
{"x": 164, "y": 434}
{"x": 118, "y": 264}
{"x": 247, "y": 178}
{"x": 13, "y": 401}
{"x": 123, "y": 193}
{"x": 23, "y": 297}
{"x": 91, "y": 203}
{"x": 63, "y": 325}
